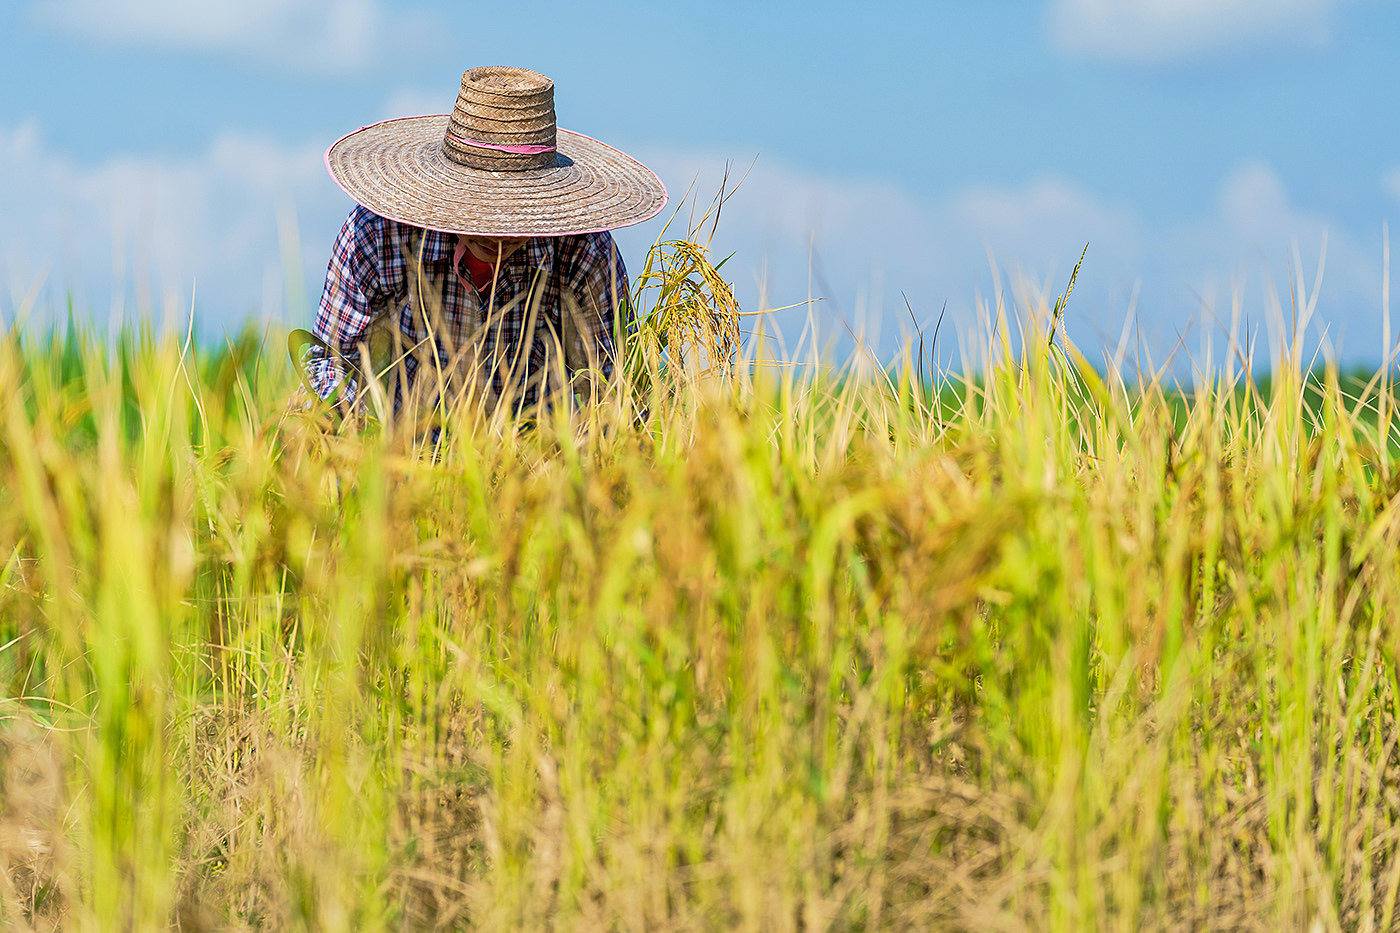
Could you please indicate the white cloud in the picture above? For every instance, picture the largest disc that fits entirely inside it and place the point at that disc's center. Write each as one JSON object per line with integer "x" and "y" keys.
{"x": 781, "y": 209}
{"x": 133, "y": 233}
{"x": 1256, "y": 226}
{"x": 861, "y": 243}
{"x": 1035, "y": 223}
{"x": 1392, "y": 182}
{"x": 1155, "y": 31}
{"x": 318, "y": 36}
{"x": 1258, "y": 243}
{"x": 416, "y": 103}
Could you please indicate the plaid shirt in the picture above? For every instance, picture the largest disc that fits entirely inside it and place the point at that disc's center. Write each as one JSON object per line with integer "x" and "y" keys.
{"x": 395, "y": 301}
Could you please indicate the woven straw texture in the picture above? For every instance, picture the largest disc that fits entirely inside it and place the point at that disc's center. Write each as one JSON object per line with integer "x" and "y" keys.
{"x": 398, "y": 169}
{"x": 508, "y": 106}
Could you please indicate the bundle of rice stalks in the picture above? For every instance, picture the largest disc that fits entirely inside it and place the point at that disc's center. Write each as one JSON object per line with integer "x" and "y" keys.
{"x": 694, "y": 317}
{"x": 686, "y": 309}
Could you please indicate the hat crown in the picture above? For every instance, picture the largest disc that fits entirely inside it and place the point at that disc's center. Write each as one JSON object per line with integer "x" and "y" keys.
{"x": 503, "y": 120}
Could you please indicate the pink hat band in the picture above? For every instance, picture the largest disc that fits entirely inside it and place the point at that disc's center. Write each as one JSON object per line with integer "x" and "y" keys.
{"x": 518, "y": 150}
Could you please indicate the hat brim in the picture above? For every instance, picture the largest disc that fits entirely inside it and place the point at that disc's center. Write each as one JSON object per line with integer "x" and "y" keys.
{"x": 398, "y": 170}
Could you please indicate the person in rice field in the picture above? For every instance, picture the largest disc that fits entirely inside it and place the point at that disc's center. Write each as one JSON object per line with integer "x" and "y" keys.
{"x": 477, "y": 265}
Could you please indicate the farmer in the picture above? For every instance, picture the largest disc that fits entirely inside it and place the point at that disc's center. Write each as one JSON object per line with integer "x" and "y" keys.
{"x": 478, "y": 265}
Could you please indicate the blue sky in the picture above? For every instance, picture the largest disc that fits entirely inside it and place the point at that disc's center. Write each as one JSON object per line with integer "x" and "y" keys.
{"x": 148, "y": 145}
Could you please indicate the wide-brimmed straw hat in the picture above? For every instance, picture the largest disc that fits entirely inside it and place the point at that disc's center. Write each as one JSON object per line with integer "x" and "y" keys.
{"x": 495, "y": 166}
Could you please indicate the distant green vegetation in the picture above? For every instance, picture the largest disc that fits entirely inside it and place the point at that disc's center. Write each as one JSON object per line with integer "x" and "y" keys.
{"x": 757, "y": 649}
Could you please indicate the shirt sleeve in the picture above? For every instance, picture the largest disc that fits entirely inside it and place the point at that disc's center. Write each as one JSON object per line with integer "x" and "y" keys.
{"x": 352, "y": 283}
{"x": 600, "y": 312}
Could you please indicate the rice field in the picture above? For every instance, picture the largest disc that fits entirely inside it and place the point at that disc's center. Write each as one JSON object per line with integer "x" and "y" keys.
{"x": 748, "y": 647}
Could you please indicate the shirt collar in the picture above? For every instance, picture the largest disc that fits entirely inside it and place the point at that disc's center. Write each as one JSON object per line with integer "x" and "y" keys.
{"x": 538, "y": 251}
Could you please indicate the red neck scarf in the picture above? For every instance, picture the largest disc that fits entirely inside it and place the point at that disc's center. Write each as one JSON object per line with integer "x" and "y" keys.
{"x": 482, "y": 273}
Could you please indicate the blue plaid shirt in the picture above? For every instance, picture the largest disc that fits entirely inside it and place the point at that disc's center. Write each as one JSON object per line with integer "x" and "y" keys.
{"x": 396, "y": 304}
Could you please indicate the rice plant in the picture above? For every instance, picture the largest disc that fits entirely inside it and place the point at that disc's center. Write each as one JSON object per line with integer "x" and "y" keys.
{"x": 768, "y": 648}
